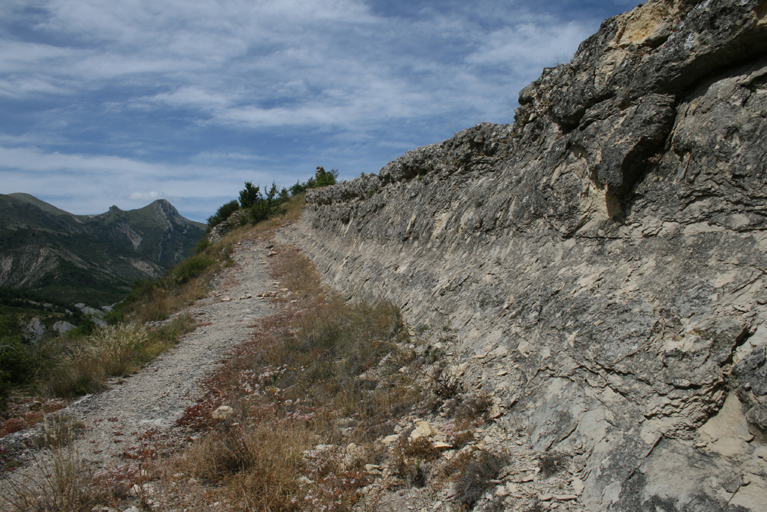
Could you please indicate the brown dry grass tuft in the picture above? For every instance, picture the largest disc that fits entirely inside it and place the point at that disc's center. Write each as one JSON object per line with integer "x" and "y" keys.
{"x": 323, "y": 372}
{"x": 87, "y": 362}
{"x": 255, "y": 467}
{"x": 62, "y": 484}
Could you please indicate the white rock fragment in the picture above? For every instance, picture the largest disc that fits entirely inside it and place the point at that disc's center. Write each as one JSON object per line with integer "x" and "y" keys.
{"x": 422, "y": 430}
{"x": 222, "y": 413}
{"x": 577, "y": 485}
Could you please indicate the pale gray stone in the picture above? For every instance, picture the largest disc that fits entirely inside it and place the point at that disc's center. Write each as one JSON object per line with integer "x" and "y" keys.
{"x": 613, "y": 241}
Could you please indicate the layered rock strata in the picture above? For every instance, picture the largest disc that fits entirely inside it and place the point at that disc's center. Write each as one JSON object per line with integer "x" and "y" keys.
{"x": 601, "y": 262}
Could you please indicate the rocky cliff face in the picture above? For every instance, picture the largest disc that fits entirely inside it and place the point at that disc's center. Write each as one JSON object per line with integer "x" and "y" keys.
{"x": 601, "y": 262}
{"x": 78, "y": 258}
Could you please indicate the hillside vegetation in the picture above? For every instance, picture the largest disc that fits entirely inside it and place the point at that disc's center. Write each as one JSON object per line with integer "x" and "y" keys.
{"x": 82, "y": 360}
{"x": 88, "y": 258}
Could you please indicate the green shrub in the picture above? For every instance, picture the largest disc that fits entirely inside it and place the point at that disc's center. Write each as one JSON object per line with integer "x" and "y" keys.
{"x": 190, "y": 268}
{"x": 203, "y": 244}
{"x": 249, "y": 195}
{"x": 264, "y": 206}
{"x": 223, "y": 213}
{"x": 324, "y": 178}
{"x": 18, "y": 363}
{"x": 298, "y": 188}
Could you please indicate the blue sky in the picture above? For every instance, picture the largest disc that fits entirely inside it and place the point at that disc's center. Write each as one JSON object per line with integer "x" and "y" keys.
{"x": 120, "y": 103}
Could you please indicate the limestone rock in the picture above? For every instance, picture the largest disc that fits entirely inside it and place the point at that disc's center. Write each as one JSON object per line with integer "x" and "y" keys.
{"x": 423, "y": 429}
{"x": 62, "y": 327}
{"x": 34, "y": 331}
{"x": 612, "y": 241}
{"x": 222, "y": 413}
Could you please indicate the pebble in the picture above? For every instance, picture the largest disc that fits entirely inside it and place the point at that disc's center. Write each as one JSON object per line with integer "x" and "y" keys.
{"x": 222, "y": 413}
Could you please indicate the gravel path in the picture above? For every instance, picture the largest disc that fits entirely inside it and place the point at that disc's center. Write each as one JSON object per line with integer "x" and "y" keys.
{"x": 116, "y": 421}
{"x": 158, "y": 395}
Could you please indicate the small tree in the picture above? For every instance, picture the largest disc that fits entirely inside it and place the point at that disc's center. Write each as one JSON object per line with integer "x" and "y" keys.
{"x": 323, "y": 178}
{"x": 298, "y": 188}
{"x": 265, "y": 207}
{"x": 250, "y": 195}
{"x": 223, "y": 213}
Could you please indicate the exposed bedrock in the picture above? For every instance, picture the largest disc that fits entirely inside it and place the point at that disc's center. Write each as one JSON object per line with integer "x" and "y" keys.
{"x": 602, "y": 260}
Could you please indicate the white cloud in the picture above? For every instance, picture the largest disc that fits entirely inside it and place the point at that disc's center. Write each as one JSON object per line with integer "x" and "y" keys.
{"x": 525, "y": 46}
{"x": 191, "y": 96}
{"x": 149, "y": 195}
{"x": 18, "y": 56}
{"x": 332, "y": 62}
{"x": 125, "y": 98}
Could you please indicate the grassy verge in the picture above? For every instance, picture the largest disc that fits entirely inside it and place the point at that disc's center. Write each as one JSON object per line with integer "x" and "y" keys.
{"x": 296, "y": 419}
{"x": 85, "y": 364}
{"x": 321, "y": 373}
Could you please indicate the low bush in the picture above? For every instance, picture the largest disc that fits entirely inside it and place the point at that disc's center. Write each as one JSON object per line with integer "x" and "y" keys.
{"x": 86, "y": 363}
{"x": 191, "y": 268}
{"x": 19, "y": 363}
{"x": 223, "y": 213}
{"x": 476, "y": 476}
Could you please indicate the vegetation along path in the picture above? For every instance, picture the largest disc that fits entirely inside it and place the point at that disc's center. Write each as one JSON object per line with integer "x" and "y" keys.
{"x": 119, "y": 423}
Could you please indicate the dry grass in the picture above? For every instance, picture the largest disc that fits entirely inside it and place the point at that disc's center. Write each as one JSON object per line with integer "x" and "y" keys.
{"x": 410, "y": 459}
{"x": 61, "y": 486}
{"x": 62, "y": 482}
{"x": 321, "y": 373}
{"x": 86, "y": 363}
{"x": 255, "y": 467}
{"x": 476, "y": 477}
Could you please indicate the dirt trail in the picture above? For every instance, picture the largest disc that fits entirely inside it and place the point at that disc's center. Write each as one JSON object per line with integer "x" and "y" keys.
{"x": 154, "y": 398}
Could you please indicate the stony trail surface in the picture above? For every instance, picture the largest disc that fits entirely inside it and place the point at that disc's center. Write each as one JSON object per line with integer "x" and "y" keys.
{"x": 152, "y": 400}
{"x": 157, "y": 396}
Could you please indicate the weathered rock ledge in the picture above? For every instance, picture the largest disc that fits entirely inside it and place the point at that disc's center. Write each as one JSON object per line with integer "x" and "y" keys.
{"x": 602, "y": 260}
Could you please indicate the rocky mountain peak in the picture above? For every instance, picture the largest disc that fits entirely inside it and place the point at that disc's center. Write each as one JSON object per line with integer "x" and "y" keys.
{"x": 90, "y": 258}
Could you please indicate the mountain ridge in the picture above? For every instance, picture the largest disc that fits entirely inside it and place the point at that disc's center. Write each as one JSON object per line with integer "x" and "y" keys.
{"x": 89, "y": 258}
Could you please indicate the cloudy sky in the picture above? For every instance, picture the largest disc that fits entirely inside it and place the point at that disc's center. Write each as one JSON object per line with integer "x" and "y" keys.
{"x": 120, "y": 103}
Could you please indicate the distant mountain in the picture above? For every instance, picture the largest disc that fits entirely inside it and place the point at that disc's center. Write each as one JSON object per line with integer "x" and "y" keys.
{"x": 88, "y": 258}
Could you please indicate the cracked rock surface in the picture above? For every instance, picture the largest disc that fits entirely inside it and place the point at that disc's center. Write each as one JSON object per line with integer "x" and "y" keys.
{"x": 602, "y": 260}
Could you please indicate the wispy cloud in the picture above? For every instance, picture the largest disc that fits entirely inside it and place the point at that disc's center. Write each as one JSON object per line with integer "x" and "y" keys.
{"x": 167, "y": 93}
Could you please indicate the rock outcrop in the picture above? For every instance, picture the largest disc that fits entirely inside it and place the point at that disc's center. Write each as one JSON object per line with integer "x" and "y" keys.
{"x": 601, "y": 262}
